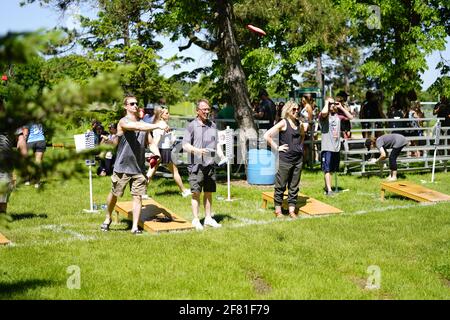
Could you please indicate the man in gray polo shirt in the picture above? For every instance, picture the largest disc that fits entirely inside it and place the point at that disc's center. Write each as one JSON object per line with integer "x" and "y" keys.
{"x": 393, "y": 141}
{"x": 200, "y": 142}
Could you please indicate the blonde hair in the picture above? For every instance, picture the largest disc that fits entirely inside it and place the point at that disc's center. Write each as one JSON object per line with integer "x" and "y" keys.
{"x": 125, "y": 100}
{"x": 288, "y": 108}
{"x": 158, "y": 114}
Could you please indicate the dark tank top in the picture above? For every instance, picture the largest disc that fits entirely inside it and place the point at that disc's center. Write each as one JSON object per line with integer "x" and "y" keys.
{"x": 130, "y": 156}
{"x": 293, "y": 139}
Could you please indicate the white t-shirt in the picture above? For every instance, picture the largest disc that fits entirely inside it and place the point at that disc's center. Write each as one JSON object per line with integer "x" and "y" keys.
{"x": 167, "y": 138}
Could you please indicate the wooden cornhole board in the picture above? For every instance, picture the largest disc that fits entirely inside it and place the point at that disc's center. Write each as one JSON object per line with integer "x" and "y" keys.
{"x": 3, "y": 240}
{"x": 305, "y": 204}
{"x": 413, "y": 191}
{"x": 153, "y": 216}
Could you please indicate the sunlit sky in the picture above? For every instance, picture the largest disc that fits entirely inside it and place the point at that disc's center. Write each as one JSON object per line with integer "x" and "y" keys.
{"x": 32, "y": 17}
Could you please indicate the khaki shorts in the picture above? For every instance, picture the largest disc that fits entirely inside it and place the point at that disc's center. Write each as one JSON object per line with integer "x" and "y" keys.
{"x": 138, "y": 184}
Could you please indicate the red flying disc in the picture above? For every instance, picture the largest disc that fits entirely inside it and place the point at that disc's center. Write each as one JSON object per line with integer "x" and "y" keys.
{"x": 257, "y": 30}
{"x": 153, "y": 160}
{"x": 4, "y": 77}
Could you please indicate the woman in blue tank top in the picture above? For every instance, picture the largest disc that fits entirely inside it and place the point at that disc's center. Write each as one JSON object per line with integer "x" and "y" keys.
{"x": 291, "y": 134}
{"x": 34, "y": 133}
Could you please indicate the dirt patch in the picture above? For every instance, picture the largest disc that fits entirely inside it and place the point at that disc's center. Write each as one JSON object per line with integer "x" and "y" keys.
{"x": 360, "y": 282}
{"x": 260, "y": 286}
{"x": 244, "y": 183}
{"x": 446, "y": 282}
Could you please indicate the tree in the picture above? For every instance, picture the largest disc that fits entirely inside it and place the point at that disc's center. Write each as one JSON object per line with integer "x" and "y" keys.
{"x": 123, "y": 33}
{"x": 408, "y": 31}
{"x": 211, "y": 26}
{"x": 299, "y": 32}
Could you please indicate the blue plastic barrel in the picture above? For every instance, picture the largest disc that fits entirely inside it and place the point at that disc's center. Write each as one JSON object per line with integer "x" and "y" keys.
{"x": 261, "y": 167}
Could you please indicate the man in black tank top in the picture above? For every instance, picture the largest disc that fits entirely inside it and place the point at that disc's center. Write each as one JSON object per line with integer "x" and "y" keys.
{"x": 291, "y": 136}
{"x": 129, "y": 166}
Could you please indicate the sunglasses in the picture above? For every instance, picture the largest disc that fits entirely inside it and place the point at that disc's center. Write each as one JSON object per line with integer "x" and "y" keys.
{"x": 294, "y": 109}
{"x": 133, "y": 103}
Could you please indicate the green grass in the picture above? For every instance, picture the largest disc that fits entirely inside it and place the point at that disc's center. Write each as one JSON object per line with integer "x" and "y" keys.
{"x": 253, "y": 256}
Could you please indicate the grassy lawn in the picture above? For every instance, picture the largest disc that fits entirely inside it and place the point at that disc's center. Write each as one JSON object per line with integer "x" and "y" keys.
{"x": 253, "y": 256}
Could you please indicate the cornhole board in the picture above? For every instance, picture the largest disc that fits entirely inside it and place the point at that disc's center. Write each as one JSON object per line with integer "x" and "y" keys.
{"x": 154, "y": 216}
{"x": 305, "y": 204}
{"x": 3, "y": 240}
{"x": 413, "y": 191}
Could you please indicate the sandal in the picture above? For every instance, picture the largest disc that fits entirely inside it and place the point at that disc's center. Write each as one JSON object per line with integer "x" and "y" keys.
{"x": 293, "y": 215}
{"x": 136, "y": 232}
{"x": 105, "y": 226}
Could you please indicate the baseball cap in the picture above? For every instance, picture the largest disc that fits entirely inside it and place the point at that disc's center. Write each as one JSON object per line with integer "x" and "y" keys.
{"x": 149, "y": 106}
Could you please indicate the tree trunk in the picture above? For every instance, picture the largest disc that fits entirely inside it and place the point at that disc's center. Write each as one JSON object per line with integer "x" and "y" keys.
{"x": 320, "y": 75}
{"x": 346, "y": 83}
{"x": 234, "y": 76}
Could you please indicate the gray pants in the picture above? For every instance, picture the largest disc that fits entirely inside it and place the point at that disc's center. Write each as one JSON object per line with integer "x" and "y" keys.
{"x": 288, "y": 174}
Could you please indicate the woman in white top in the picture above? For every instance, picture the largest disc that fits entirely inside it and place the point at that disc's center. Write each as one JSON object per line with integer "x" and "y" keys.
{"x": 164, "y": 141}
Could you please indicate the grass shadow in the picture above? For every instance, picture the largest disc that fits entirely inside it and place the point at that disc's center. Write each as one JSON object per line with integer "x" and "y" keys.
{"x": 167, "y": 192}
{"x": 10, "y": 289}
{"x": 22, "y": 216}
{"x": 219, "y": 217}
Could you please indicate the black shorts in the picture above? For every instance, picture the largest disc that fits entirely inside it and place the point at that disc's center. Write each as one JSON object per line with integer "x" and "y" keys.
{"x": 37, "y": 146}
{"x": 166, "y": 156}
{"x": 203, "y": 180}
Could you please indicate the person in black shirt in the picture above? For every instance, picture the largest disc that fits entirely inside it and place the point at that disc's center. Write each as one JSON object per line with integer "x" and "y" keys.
{"x": 371, "y": 109}
{"x": 442, "y": 110}
{"x": 291, "y": 136}
{"x": 267, "y": 110}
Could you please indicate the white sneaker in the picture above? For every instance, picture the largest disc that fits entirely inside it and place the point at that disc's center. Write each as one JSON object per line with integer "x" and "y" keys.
{"x": 186, "y": 193}
{"x": 197, "y": 224}
{"x": 212, "y": 223}
{"x": 27, "y": 183}
{"x": 37, "y": 185}
{"x": 391, "y": 179}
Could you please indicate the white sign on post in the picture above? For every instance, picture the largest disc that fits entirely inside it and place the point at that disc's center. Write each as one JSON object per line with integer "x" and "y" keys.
{"x": 225, "y": 137}
{"x": 437, "y": 132}
{"x": 83, "y": 142}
